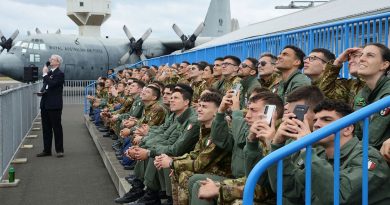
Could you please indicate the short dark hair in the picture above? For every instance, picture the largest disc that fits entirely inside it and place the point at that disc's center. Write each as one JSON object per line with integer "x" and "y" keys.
{"x": 185, "y": 90}
{"x": 273, "y": 58}
{"x": 140, "y": 83}
{"x": 259, "y": 89}
{"x": 155, "y": 90}
{"x": 254, "y": 62}
{"x": 200, "y": 66}
{"x": 171, "y": 87}
{"x": 385, "y": 52}
{"x": 213, "y": 97}
{"x": 159, "y": 84}
{"x": 311, "y": 94}
{"x": 327, "y": 54}
{"x": 299, "y": 54}
{"x": 340, "y": 107}
{"x": 186, "y": 62}
{"x": 101, "y": 84}
{"x": 270, "y": 98}
{"x": 218, "y": 59}
{"x": 213, "y": 90}
{"x": 145, "y": 66}
{"x": 236, "y": 60}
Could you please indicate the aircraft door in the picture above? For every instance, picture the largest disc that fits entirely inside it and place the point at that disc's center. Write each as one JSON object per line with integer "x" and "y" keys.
{"x": 70, "y": 71}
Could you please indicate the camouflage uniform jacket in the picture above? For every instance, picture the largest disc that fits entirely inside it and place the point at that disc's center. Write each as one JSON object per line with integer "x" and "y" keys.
{"x": 126, "y": 106}
{"x": 153, "y": 114}
{"x": 272, "y": 83}
{"x": 231, "y": 139}
{"x": 248, "y": 84}
{"x": 227, "y": 84}
{"x": 338, "y": 88}
{"x": 351, "y": 155}
{"x": 205, "y": 158}
{"x": 294, "y": 81}
{"x": 136, "y": 109}
{"x": 198, "y": 88}
{"x": 379, "y": 127}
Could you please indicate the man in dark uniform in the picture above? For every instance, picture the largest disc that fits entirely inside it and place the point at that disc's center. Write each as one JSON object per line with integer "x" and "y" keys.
{"x": 51, "y": 107}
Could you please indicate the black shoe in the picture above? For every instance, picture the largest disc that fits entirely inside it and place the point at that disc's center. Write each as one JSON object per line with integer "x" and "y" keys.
{"x": 60, "y": 154}
{"x": 163, "y": 195}
{"x": 149, "y": 198}
{"x": 129, "y": 167}
{"x": 43, "y": 154}
{"x": 103, "y": 129}
{"x": 119, "y": 157}
{"x": 107, "y": 134}
{"x": 114, "y": 137}
{"x": 133, "y": 195}
{"x": 169, "y": 201}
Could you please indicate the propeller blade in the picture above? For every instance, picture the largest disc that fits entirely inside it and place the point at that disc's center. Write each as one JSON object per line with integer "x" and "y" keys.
{"x": 28, "y": 33}
{"x": 146, "y": 34}
{"x": 143, "y": 57}
{"x": 128, "y": 34}
{"x": 14, "y": 35}
{"x": 3, "y": 39}
{"x": 58, "y": 31}
{"x": 179, "y": 32}
{"x": 38, "y": 31}
{"x": 124, "y": 58}
{"x": 199, "y": 29}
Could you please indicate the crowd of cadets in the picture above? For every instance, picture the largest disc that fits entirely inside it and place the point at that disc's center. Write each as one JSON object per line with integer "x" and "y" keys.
{"x": 193, "y": 132}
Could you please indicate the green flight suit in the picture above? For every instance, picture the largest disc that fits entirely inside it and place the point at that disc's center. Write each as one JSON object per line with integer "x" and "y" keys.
{"x": 338, "y": 88}
{"x": 248, "y": 84}
{"x": 351, "y": 155}
{"x": 294, "y": 81}
{"x": 379, "y": 128}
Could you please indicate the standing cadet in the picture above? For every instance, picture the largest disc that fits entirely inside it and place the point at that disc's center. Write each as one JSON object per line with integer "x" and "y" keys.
{"x": 248, "y": 74}
{"x": 374, "y": 64}
{"x": 342, "y": 88}
{"x": 289, "y": 63}
{"x": 351, "y": 155}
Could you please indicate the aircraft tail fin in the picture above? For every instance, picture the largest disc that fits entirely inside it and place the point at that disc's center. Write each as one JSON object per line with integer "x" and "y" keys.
{"x": 218, "y": 19}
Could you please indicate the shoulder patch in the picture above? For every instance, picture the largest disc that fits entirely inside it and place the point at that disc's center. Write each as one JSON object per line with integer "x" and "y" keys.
{"x": 385, "y": 112}
{"x": 371, "y": 165}
{"x": 189, "y": 127}
{"x": 360, "y": 102}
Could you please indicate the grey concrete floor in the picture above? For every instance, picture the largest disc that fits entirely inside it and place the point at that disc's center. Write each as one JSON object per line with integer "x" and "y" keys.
{"x": 78, "y": 178}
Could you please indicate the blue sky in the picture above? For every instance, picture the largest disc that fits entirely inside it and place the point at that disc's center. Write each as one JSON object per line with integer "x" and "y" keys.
{"x": 50, "y": 15}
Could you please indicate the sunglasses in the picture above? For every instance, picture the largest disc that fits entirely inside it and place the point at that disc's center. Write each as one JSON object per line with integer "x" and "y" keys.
{"x": 227, "y": 64}
{"x": 243, "y": 65}
{"x": 261, "y": 64}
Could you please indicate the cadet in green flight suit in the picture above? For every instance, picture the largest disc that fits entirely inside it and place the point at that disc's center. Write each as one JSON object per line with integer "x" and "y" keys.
{"x": 342, "y": 88}
{"x": 351, "y": 154}
{"x": 374, "y": 64}
{"x": 290, "y": 63}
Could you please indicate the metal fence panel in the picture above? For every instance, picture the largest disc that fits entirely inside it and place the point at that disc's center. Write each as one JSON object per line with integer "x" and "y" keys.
{"x": 18, "y": 109}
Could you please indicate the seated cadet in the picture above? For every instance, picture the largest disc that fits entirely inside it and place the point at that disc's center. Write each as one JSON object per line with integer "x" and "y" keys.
{"x": 205, "y": 158}
{"x": 351, "y": 155}
{"x": 385, "y": 151}
{"x": 315, "y": 63}
{"x": 342, "y": 88}
{"x": 179, "y": 121}
{"x": 290, "y": 63}
{"x": 229, "y": 72}
{"x": 228, "y": 190}
{"x": 269, "y": 76}
{"x": 247, "y": 71}
{"x": 374, "y": 64}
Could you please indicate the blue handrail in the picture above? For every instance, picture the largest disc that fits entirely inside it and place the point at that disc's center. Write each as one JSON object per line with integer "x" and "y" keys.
{"x": 278, "y": 155}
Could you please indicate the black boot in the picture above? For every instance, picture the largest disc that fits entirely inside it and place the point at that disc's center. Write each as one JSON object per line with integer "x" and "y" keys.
{"x": 150, "y": 198}
{"x": 136, "y": 192}
{"x": 169, "y": 201}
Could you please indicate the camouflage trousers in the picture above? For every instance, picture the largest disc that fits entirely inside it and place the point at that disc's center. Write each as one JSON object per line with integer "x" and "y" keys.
{"x": 180, "y": 193}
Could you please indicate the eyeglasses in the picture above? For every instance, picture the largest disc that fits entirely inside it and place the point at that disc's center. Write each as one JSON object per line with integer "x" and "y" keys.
{"x": 243, "y": 65}
{"x": 227, "y": 64}
{"x": 262, "y": 64}
{"x": 313, "y": 58}
{"x": 216, "y": 65}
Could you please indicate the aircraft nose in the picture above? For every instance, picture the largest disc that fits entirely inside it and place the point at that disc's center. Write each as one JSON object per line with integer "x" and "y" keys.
{"x": 11, "y": 66}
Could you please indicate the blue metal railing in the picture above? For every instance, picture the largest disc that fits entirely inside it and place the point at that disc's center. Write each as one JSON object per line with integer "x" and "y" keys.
{"x": 336, "y": 37}
{"x": 333, "y": 128}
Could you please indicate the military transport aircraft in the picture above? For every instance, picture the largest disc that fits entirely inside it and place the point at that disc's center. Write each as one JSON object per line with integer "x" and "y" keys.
{"x": 87, "y": 57}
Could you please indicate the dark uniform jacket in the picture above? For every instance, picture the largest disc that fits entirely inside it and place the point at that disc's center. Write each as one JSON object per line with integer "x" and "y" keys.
{"x": 52, "y": 97}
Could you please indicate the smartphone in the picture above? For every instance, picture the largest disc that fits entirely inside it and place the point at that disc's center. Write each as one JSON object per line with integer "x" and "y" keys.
{"x": 47, "y": 64}
{"x": 300, "y": 111}
{"x": 268, "y": 112}
{"x": 237, "y": 88}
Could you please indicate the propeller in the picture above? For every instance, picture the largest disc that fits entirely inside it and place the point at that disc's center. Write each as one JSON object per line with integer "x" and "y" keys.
{"x": 135, "y": 46}
{"x": 188, "y": 41}
{"x": 7, "y": 43}
{"x": 38, "y": 31}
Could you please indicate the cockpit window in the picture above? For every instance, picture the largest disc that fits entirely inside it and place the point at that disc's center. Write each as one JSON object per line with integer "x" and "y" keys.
{"x": 42, "y": 46}
{"x": 24, "y": 45}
